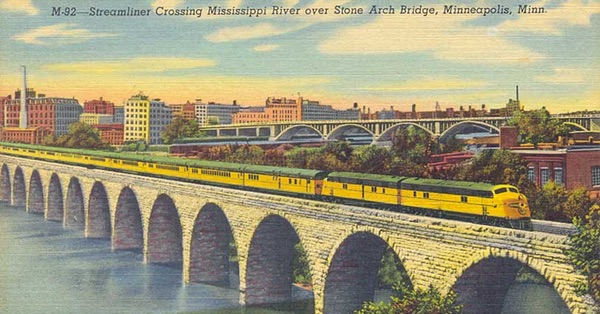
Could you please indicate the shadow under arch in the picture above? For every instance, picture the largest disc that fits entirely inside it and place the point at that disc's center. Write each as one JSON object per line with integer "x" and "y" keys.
{"x": 36, "y": 194}
{"x": 165, "y": 244}
{"x": 269, "y": 263}
{"x": 74, "y": 215}
{"x": 5, "y": 186}
{"x": 128, "y": 227}
{"x": 55, "y": 211}
{"x": 209, "y": 247}
{"x": 19, "y": 189}
{"x": 352, "y": 276}
{"x": 483, "y": 287}
{"x": 98, "y": 214}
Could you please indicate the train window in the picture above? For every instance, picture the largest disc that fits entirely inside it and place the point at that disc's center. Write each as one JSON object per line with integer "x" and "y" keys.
{"x": 414, "y": 193}
{"x": 345, "y": 186}
{"x": 374, "y": 189}
{"x": 289, "y": 181}
{"x": 425, "y": 194}
{"x": 500, "y": 190}
{"x": 463, "y": 198}
{"x": 295, "y": 181}
{"x": 383, "y": 191}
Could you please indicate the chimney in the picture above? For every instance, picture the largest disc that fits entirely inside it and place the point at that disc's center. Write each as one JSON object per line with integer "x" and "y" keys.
{"x": 235, "y": 102}
{"x": 517, "y": 92}
{"x": 23, "y": 113}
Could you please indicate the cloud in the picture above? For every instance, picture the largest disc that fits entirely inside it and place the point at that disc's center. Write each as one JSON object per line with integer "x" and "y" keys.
{"x": 58, "y": 34}
{"x": 265, "y": 48}
{"x": 555, "y": 19}
{"x": 19, "y": 6}
{"x": 135, "y": 65}
{"x": 567, "y": 76}
{"x": 260, "y": 30}
{"x": 166, "y": 3}
{"x": 446, "y": 37}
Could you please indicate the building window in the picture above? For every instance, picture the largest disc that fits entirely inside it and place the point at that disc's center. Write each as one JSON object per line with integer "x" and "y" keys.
{"x": 596, "y": 176}
{"x": 545, "y": 176}
{"x": 558, "y": 176}
{"x": 531, "y": 174}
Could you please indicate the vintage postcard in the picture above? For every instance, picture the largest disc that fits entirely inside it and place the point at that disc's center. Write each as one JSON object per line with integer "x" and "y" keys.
{"x": 299, "y": 156}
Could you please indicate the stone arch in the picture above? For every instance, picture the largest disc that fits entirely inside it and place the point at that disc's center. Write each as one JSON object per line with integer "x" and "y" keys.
{"x": 483, "y": 286}
{"x": 352, "y": 275}
{"x": 298, "y": 130}
{"x": 19, "y": 190}
{"x": 341, "y": 132}
{"x": 35, "y": 201}
{"x": 268, "y": 274}
{"x": 209, "y": 249}
{"x": 386, "y": 136}
{"x": 128, "y": 230}
{"x": 55, "y": 199}
{"x": 6, "y": 187}
{"x": 74, "y": 215}
{"x": 461, "y": 126}
{"x": 164, "y": 233}
{"x": 97, "y": 223}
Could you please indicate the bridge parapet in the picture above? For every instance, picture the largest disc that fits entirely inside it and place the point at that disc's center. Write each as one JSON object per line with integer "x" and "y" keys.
{"x": 443, "y": 253}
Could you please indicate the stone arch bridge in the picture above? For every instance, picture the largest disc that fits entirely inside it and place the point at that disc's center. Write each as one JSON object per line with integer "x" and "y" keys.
{"x": 193, "y": 225}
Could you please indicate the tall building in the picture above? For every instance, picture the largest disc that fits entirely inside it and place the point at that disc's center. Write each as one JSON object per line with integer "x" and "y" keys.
{"x": 99, "y": 106}
{"x": 119, "y": 116}
{"x": 214, "y": 113}
{"x": 96, "y": 118}
{"x": 145, "y": 119}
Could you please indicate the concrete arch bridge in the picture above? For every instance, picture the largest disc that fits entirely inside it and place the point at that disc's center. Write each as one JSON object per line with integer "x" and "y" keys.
{"x": 175, "y": 222}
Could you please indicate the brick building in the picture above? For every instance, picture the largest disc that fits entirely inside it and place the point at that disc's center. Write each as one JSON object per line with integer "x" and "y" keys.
{"x": 99, "y": 106}
{"x": 112, "y": 134}
{"x": 27, "y": 135}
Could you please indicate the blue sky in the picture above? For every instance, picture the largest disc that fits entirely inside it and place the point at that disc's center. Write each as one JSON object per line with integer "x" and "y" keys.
{"x": 374, "y": 60}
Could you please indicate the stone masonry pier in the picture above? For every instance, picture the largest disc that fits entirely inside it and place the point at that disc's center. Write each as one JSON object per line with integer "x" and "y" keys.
{"x": 191, "y": 224}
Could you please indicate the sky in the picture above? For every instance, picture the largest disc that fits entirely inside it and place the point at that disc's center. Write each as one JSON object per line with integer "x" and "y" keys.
{"x": 375, "y": 60}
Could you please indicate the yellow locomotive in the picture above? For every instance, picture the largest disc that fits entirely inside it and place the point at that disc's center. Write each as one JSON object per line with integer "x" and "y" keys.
{"x": 500, "y": 205}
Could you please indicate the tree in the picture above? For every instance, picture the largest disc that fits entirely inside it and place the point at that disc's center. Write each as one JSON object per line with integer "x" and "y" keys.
{"x": 413, "y": 144}
{"x": 584, "y": 253}
{"x": 179, "y": 128}
{"x": 371, "y": 159}
{"x": 80, "y": 135}
{"x": 537, "y": 126}
{"x": 247, "y": 154}
{"x": 415, "y": 301}
{"x": 300, "y": 266}
{"x": 497, "y": 167}
{"x": 554, "y": 202}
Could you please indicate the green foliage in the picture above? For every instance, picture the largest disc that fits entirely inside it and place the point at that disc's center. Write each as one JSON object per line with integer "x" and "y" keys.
{"x": 584, "y": 253}
{"x": 372, "y": 159}
{"x": 554, "y": 202}
{"x": 496, "y": 166}
{"x": 419, "y": 301}
{"x": 413, "y": 144}
{"x": 80, "y": 135}
{"x": 391, "y": 273}
{"x": 179, "y": 128}
{"x": 537, "y": 126}
{"x": 250, "y": 154}
{"x": 300, "y": 266}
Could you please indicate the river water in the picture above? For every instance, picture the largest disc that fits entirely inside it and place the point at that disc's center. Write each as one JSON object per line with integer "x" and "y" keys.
{"x": 45, "y": 268}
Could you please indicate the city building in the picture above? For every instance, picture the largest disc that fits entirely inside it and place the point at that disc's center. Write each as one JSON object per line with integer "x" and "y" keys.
{"x": 99, "y": 106}
{"x": 214, "y": 113}
{"x": 119, "y": 116}
{"x": 145, "y": 119}
{"x": 299, "y": 109}
{"x": 96, "y": 118}
{"x": 112, "y": 134}
{"x": 573, "y": 167}
{"x": 53, "y": 113}
{"x": 24, "y": 135}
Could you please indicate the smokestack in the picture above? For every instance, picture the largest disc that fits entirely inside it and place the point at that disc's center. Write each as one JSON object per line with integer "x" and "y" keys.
{"x": 23, "y": 113}
{"x": 517, "y": 92}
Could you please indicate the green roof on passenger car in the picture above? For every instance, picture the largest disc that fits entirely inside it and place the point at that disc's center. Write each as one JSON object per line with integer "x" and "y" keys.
{"x": 365, "y": 178}
{"x": 283, "y": 171}
{"x": 477, "y": 186}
